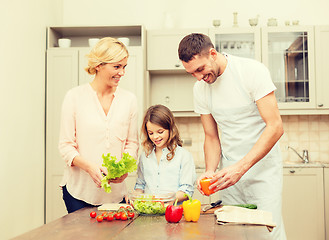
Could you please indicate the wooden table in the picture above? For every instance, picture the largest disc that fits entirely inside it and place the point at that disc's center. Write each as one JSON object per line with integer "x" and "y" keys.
{"x": 79, "y": 225}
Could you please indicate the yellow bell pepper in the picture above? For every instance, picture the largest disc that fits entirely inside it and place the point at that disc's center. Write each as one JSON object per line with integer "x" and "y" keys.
{"x": 191, "y": 209}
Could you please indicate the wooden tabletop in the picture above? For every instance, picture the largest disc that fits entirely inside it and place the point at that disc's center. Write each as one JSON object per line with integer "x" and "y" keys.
{"x": 79, "y": 225}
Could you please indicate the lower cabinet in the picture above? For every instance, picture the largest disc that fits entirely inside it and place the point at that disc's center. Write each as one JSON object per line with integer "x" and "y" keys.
{"x": 303, "y": 203}
{"x": 326, "y": 200}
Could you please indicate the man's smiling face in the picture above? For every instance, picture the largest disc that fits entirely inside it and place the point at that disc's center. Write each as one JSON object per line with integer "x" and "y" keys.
{"x": 203, "y": 67}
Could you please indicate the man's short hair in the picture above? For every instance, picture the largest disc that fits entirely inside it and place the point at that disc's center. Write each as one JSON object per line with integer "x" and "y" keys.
{"x": 192, "y": 45}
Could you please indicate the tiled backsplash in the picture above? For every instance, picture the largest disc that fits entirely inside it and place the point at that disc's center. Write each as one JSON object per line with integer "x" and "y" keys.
{"x": 309, "y": 132}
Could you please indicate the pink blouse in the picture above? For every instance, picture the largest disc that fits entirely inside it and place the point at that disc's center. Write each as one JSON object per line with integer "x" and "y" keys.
{"x": 87, "y": 131}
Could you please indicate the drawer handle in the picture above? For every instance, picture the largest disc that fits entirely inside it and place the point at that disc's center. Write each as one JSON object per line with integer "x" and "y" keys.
{"x": 320, "y": 105}
{"x": 292, "y": 171}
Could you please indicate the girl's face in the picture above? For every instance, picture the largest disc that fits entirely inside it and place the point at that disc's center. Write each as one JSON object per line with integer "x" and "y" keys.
{"x": 158, "y": 135}
{"x": 111, "y": 73}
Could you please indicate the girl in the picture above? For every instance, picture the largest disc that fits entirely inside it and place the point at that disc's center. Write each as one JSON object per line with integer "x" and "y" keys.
{"x": 97, "y": 118}
{"x": 164, "y": 164}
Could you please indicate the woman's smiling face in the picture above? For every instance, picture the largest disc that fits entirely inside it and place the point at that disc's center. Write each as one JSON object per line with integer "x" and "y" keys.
{"x": 112, "y": 72}
{"x": 158, "y": 135}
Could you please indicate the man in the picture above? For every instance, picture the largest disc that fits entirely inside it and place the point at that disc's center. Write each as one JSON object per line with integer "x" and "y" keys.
{"x": 236, "y": 95}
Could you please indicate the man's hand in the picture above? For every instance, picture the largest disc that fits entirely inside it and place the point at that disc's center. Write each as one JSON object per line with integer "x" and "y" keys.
{"x": 226, "y": 177}
{"x": 208, "y": 174}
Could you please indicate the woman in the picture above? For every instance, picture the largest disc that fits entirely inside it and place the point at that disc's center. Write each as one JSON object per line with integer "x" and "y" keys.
{"x": 97, "y": 118}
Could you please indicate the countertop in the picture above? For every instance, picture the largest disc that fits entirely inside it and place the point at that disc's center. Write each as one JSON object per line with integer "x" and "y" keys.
{"x": 79, "y": 225}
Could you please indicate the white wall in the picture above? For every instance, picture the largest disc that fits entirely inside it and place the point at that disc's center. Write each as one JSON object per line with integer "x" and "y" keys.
{"x": 22, "y": 106}
{"x": 192, "y": 13}
{"x": 22, "y": 81}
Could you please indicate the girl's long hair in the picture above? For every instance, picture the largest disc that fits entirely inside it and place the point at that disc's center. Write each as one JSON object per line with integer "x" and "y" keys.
{"x": 162, "y": 116}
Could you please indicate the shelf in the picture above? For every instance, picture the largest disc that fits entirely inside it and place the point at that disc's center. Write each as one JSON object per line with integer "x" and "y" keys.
{"x": 79, "y": 35}
{"x": 292, "y": 81}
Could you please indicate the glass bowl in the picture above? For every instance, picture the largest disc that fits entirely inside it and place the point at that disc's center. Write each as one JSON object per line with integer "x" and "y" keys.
{"x": 151, "y": 203}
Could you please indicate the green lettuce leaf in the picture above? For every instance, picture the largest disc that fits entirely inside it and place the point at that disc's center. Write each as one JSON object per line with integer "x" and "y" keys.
{"x": 117, "y": 168}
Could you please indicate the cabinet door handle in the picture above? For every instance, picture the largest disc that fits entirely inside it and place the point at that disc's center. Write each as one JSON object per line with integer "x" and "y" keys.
{"x": 320, "y": 105}
{"x": 177, "y": 65}
{"x": 292, "y": 171}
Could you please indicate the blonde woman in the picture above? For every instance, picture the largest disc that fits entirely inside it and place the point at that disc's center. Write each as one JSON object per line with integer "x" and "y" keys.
{"x": 97, "y": 118}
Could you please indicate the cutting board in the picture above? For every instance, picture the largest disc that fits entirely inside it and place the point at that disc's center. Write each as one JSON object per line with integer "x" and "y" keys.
{"x": 210, "y": 211}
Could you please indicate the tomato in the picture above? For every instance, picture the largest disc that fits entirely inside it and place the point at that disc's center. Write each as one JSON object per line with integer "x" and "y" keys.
{"x": 99, "y": 218}
{"x": 104, "y": 213}
{"x": 131, "y": 214}
{"x": 128, "y": 208}
{"x": 122, "y": 207}
{"x": 93, "y": 214}
{"x": 124, "y": 217}
{"x": 110, "y": 217}
{"x": 117, "y": 215}
{"x": 205, "y": 183}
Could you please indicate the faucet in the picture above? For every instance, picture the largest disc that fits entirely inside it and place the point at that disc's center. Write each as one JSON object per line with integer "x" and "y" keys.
{"x": 304, "y": 157}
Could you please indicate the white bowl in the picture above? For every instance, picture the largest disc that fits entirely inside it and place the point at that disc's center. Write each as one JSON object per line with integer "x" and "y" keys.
{"x": 124, "y": 40}
{"x": 93, "y": 41}
{"x": 216, "y": 22}
{"x": 64, "y": 42}
{"x": 253, "y": 22}
{"x": 272, "y": 22}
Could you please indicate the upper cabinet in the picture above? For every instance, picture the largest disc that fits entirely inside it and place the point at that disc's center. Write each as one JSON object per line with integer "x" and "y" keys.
{"x": 79, "y": 35}
{"x": 162, "y": 48}
{"x": 243, "y": 42}
{"x": 168, "y": 82}
{"x": 288, "y": 52}
{"x": 322, "y": 67}
{"x": 294, "y": 55}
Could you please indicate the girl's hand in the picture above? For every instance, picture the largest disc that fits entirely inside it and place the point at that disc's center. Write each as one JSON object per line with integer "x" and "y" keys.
{"x": 208, "y": 174}
{"x": 119, "y": 179}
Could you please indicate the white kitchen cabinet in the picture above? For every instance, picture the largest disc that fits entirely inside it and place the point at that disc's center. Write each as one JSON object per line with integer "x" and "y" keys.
{"x": 162, "y": 48}
{"x": 174, "y": 90}
{"x": 288, "y": 52}
{"x": 303, "y": 203}
{"x": 326, "y": 200}
{"x": 62, "y": 75}
{"x": 168, "y": 82}
{"x": 65, "y": 70}
{"x": 322, "y": 68}
{"x": 242, "y": 42}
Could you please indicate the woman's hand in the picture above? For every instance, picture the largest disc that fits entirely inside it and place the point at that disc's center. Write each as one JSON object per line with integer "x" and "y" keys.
{"x": 96, "y": 173}
{"x": 119, "y": 179}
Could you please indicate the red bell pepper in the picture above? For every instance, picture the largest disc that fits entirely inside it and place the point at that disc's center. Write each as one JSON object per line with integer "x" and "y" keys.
{"x": 174, "y": 213}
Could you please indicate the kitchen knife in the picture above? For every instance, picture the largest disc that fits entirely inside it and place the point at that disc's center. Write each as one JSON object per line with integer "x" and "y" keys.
{"x": 212, "y": 205}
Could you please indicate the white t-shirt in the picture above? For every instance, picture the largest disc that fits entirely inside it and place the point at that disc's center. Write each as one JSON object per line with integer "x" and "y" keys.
{"x": 253, "y": 77}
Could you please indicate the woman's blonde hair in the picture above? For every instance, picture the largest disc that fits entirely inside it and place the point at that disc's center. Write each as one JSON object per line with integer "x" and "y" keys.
{"x": 107, "y": 50}
{"x": 162, "y": 116}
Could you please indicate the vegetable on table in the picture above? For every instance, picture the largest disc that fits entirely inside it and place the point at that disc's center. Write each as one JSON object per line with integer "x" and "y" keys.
{"x": 174, "y": 213}
{"x": 205, "y": 183}
{"x": 145, "y": 206}
{"x": 191, "y": 209}
{"x": 249, "y": 206}
{"x": 93, "y": 214}
{"x": 117, "y": 168}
